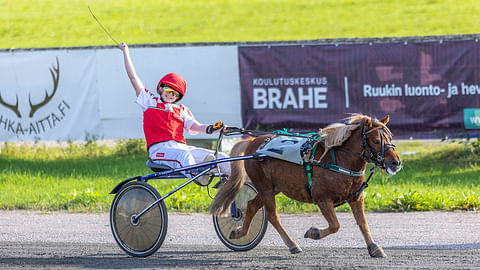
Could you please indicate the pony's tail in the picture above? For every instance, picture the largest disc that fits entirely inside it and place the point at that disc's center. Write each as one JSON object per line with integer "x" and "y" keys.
{"x": 227, "y": 192}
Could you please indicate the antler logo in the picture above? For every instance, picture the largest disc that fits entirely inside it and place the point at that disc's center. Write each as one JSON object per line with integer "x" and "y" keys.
{"x": 55, "y": 72}
{"x": 39, "y": 125}
{"x": 14, "y": 108}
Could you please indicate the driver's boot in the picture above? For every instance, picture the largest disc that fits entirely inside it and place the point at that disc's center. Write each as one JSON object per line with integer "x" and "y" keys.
{"x": 204, "y": 180}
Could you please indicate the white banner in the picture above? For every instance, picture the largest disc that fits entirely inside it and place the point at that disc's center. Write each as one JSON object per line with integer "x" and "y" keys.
{"x": 87, "y": 93}
{"x": 213, "y": 87}
{"x": 49, "y": 95}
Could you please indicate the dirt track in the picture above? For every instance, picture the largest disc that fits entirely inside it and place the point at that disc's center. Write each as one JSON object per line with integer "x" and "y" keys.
{"x": 432, "y": 240}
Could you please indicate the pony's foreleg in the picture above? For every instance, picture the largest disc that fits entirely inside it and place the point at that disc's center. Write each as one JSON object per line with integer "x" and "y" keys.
{"x": 328, "y": 212}
{"x": 358, "y": 211}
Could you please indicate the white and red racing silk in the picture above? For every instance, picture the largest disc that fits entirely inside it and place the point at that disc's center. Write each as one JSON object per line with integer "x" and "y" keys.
{"x": 163, "y": 121}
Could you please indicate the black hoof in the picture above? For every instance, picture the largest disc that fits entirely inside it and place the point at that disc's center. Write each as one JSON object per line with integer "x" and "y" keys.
{"x": 313, "y": 233}
{"x": 376, "y": 251}
{"x": 295, "y": 250}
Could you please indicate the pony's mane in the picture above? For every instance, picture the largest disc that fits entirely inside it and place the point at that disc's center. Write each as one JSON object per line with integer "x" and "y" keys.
{"x": 338, "y": 133}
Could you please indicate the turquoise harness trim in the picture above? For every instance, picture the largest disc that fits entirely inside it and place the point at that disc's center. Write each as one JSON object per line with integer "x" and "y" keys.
{"x": 314, "y": 137}
{"x": 285, "y": 132}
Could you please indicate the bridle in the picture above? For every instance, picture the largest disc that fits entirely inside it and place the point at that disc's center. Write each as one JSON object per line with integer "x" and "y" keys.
{"x": 367, "y": 153}
{"x": 377, "y": 158}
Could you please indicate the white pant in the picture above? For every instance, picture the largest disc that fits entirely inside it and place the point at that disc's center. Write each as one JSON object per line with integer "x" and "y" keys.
{"x": 177, "y": 155}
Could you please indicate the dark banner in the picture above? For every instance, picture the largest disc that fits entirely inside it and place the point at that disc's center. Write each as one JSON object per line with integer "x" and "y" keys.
{"x": 427, "y": 88}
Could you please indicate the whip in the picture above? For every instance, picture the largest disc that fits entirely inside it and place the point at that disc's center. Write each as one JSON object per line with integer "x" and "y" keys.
{"x": 105, "y": 30}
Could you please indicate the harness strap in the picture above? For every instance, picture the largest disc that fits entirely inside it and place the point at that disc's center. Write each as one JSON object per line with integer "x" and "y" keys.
{"x": 308, "y": 186}
{"x": 377, "y": 160}
{"x": 338, "y": 169}
{"x": 359, "y": 191}
{"x": 333, "y": 156}
{"x": 308, "y": 170}
{"x": 335, "y": 168}
{"x": 331, "y": 166}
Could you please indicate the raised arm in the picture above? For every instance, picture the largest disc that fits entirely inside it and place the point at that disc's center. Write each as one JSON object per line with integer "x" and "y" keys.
{"x": 132, "y": 75}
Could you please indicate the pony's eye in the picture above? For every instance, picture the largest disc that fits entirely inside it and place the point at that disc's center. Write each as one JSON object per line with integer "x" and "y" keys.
{"x": 376, "y": 142}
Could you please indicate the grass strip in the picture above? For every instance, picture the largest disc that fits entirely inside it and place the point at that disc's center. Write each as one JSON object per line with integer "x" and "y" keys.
{"x": 79, "y": 178}
{"x": 67, "y": 23}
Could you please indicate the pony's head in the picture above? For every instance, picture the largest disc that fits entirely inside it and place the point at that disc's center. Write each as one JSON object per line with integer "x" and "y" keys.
{"x": 377, "y": 144}
{"x": 376, "y": 139}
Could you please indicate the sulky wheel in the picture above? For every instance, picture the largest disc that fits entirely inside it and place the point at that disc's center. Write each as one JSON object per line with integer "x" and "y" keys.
{"x": 143, "y": 237}
{"x": 226, "y": 224}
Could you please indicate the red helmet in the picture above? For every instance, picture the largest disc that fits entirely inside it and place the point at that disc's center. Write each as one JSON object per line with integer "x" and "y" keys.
{"x": 175, "y": 81}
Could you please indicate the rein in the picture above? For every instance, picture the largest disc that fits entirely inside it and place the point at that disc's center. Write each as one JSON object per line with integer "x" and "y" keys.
{"x": 229, "y": 131}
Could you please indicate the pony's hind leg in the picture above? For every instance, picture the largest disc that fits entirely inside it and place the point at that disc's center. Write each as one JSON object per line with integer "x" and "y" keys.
{"x": 252, "y": 207}
{"x": 274, "y": 219}
{"x": 272, "y": 214}
{"x": 328, "y": 212}
{"x": 358, "y": 211}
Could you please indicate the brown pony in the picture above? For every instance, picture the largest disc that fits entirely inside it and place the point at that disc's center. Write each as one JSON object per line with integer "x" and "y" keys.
{"x": 360, "y": 140}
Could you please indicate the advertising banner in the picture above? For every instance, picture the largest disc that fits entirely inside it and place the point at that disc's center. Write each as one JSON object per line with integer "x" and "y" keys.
{"x": 48, "y": 95}
{"x": 429, "y": 89}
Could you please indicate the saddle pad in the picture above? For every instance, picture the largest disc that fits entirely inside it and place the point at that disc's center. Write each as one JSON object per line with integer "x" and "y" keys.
{"x": 285, "y": 148}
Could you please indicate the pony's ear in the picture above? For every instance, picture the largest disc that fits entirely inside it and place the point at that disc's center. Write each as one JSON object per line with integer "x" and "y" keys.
{"x": 368, "y": 123}
{"x": 385, "y": 119}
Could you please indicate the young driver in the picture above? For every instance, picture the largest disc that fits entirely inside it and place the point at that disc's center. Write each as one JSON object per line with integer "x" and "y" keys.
{"x": 164, "y": 121}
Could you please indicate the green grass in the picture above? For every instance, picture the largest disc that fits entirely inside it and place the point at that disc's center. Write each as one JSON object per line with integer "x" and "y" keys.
{"x": 79, "y": 177}
{"x": 442, "y": 176}
{"x": 439, "y": 177}
{"x": 59, "y": 23}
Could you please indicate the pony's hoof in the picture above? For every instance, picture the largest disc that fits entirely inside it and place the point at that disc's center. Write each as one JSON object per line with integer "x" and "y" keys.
{"x": 233, "y": 235}
{"x": 376, "y": 251}
{"x": 295, "y": 250}
{"x": 313, "y": 233}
